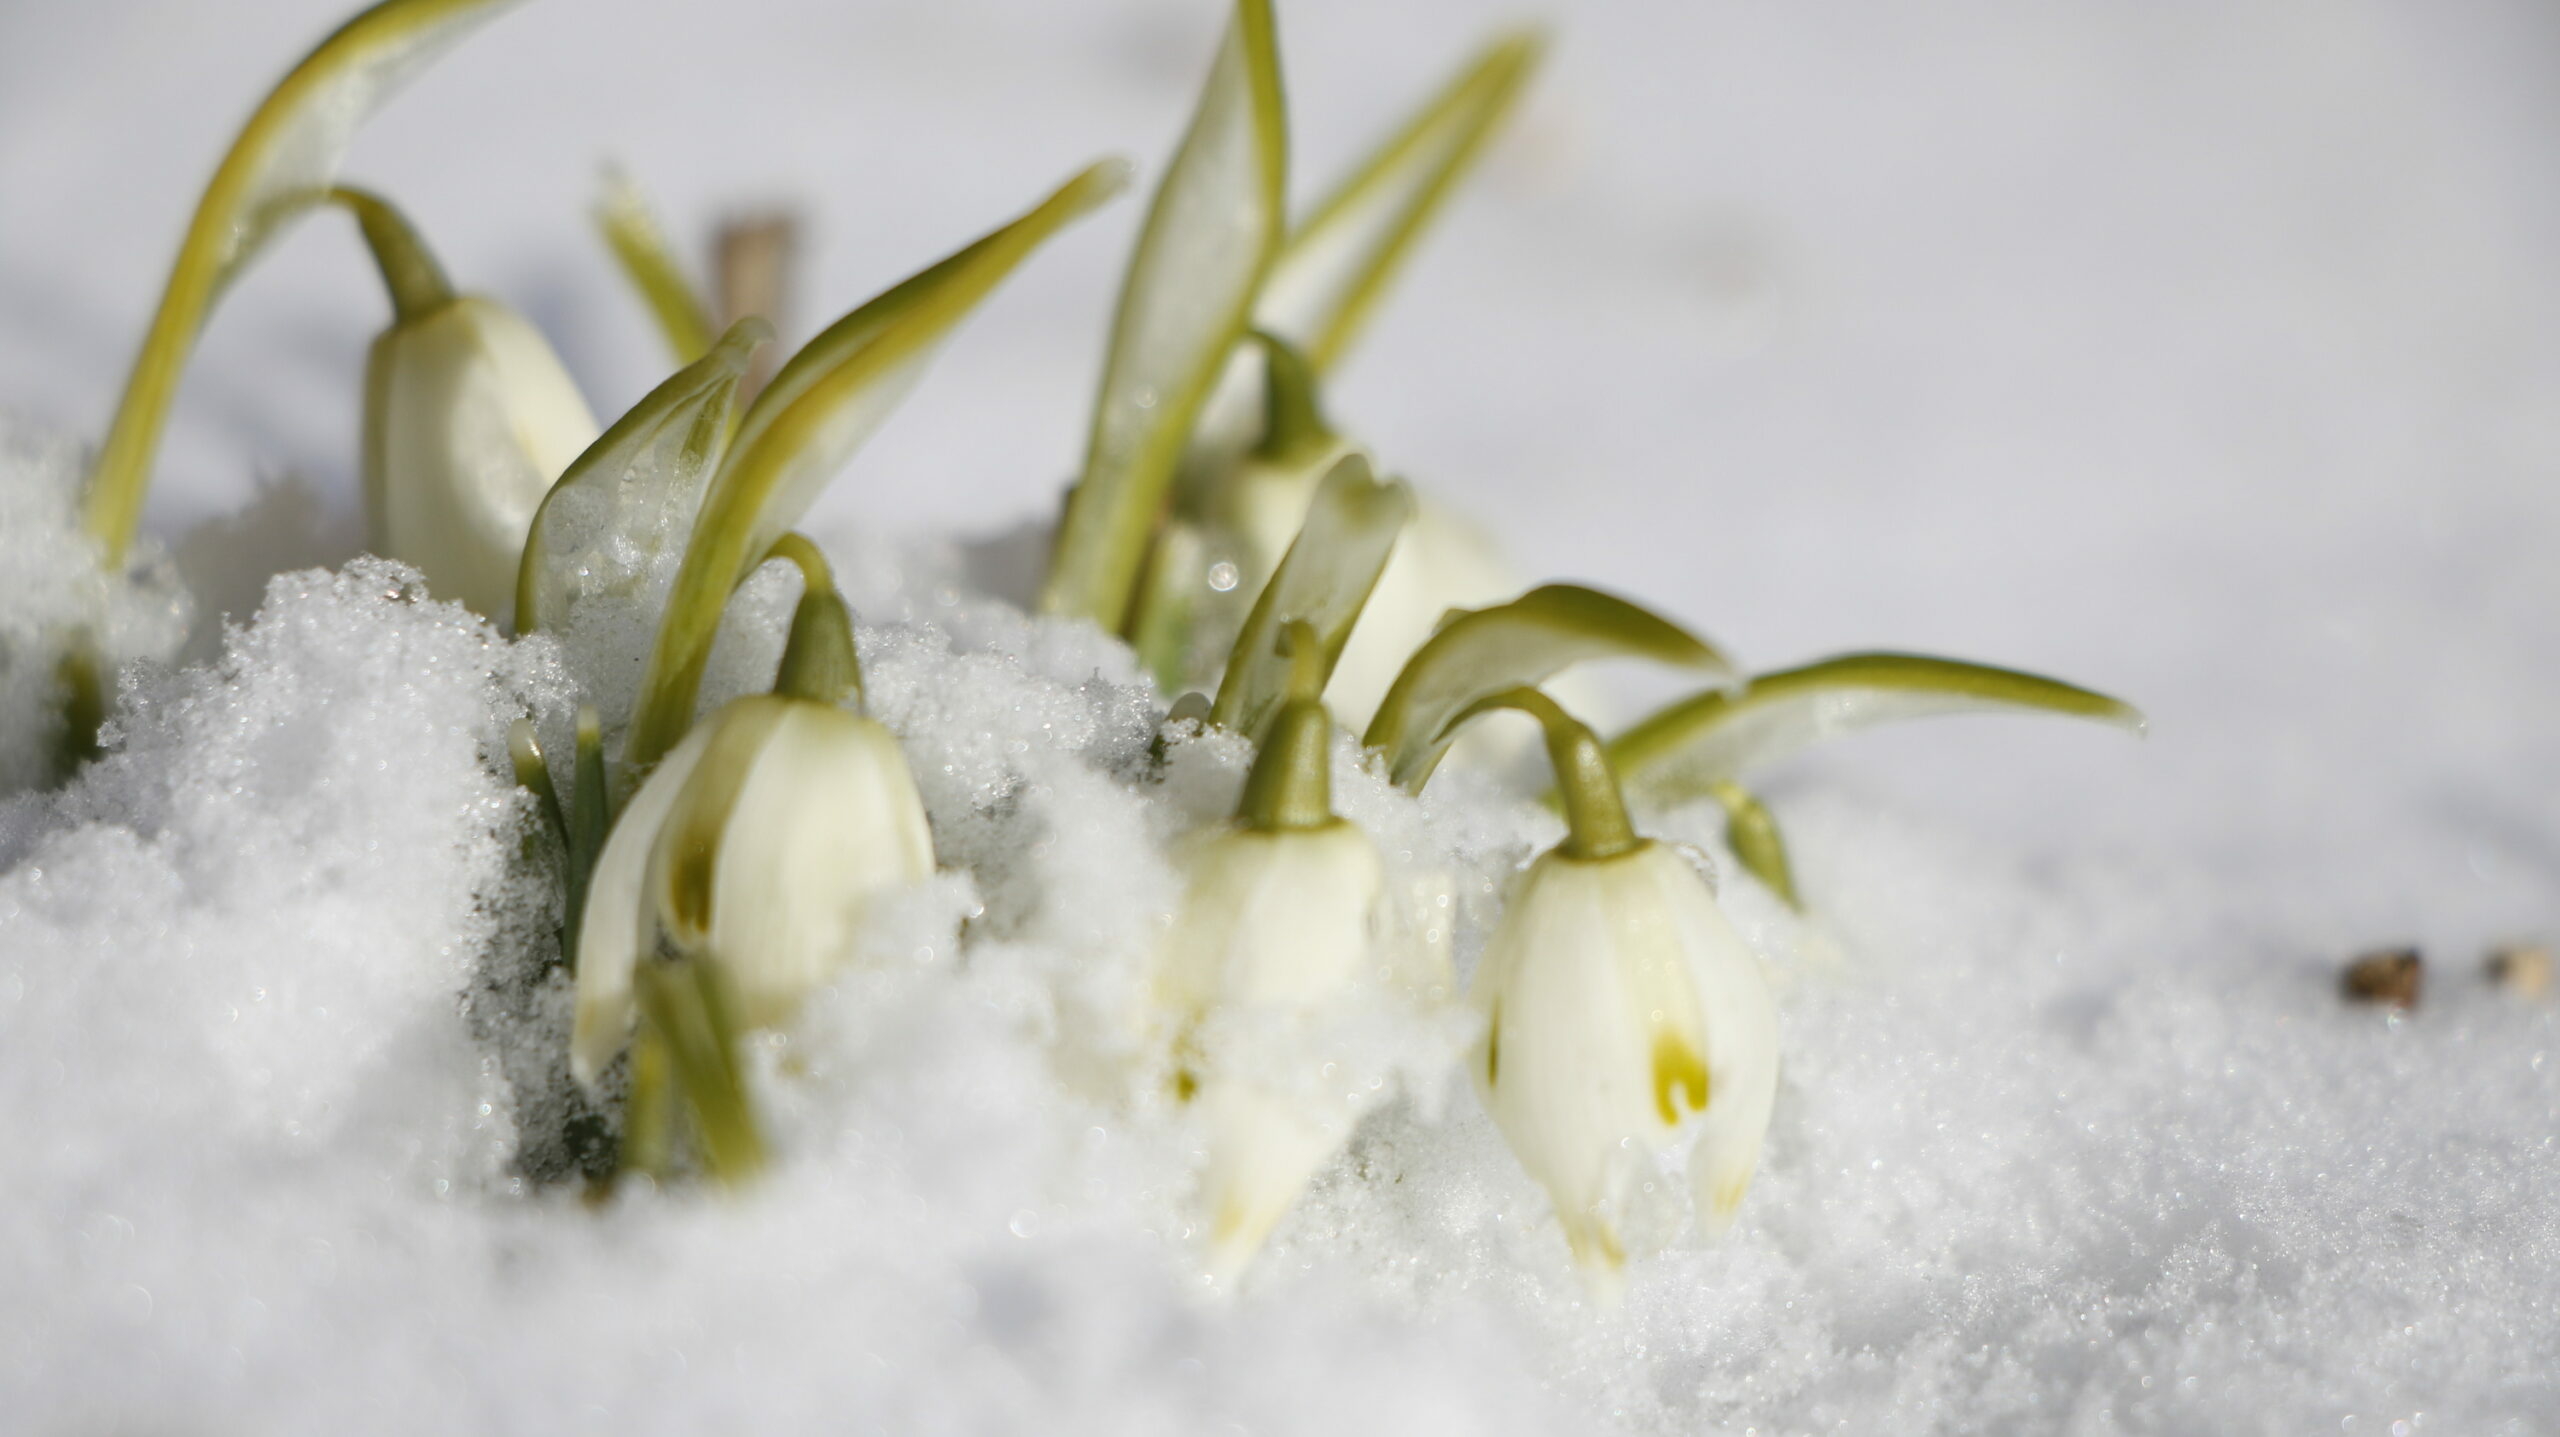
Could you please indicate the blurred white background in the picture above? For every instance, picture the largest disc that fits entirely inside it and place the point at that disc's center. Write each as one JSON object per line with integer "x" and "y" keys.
{"x": 2206, "y": 353}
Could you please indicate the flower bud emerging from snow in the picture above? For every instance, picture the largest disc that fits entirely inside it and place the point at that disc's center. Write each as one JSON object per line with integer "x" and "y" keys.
{"x": 1440, "y": 561}
{"x": 759, "y": 841}
{"x": 1279, "y": 920}
{"x": 1625, "y": 1020}
{"x": 468, "y": 419}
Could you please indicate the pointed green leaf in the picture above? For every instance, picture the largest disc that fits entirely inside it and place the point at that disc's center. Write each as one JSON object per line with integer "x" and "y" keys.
{"x": 1333, "y": 269}
{"x": 279, "y": 166}
{"x": 686, "y": 1007}
{"x": 1751, "y": 831}
{"x": 621, "y": 512}
{"x": 640, "y": 247}
{"x": 1209, "y": 237}
{"x": 1484, "y": 652}
{"x": 1331, "y": 272}
{"x": 1324, "y": 580}
{"x": 808, "y": 421}
{"x": 1687, "y": 748}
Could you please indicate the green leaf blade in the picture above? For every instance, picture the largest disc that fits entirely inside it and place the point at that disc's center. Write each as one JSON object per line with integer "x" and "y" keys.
{"x": 1519, "y": 644}
{"x": 628, "y": 503}
{"x": 807, "y": 422}
{"x": 1333, "y": 269}
{"x": 1209, "y": 237}
{"x": 1323, "y": 580}
{"x": 640, "y": 248}
{"x": 278, "y": 167}
{"x": 1686, "y": 749}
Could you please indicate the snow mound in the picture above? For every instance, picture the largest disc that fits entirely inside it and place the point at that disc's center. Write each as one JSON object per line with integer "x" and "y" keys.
{"x": 2056, "y": 1149}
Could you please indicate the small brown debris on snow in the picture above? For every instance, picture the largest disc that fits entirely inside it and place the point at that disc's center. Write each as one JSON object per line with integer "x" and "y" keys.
{"x": 2522, "y": 970}
{"x": 2387, "y": 975}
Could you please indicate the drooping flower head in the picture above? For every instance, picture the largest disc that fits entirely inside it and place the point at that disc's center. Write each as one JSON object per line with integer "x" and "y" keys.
{"x": 1626, "y": 1023}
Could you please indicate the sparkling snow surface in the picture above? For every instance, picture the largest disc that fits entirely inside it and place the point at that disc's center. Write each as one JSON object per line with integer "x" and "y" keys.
{"x": 2206, "y": 354}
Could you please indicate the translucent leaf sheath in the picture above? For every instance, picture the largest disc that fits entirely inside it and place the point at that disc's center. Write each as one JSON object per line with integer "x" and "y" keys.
{"x": 1524, "y": 642}
{"x": 279, "y": 166}
{"x": 1686, "y": 749}
{"x": 1331, "y": 272}
{"x": 819, "y": 408}
{"x": 1324, "y": 580}
{"x": 636, "y": 487}
{"x": 1208, "y": 239}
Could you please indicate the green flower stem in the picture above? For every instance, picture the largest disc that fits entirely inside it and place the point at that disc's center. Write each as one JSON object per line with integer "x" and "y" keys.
{"x": 1291, "y": 783}
{"x": 409, "y": 269}
{"x": 1595, "y": 812}
{"x": 590, "y": 817}
{"x": 533, "y": 775}
{"x": 1160, "y": 624}
{"x": 682, "y": 1002}
{"x": 819, "y": 661}
{"x": 1752, "y": 832}
{"x": 84, "y": 707}
{"x": 649, "y": 1111}
{"x": 640, "y": 247}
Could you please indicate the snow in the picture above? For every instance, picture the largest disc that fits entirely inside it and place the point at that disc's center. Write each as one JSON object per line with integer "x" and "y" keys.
{"x": 2198, "y": 353}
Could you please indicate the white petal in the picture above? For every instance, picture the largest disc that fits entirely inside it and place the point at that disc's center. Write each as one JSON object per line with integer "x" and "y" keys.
{"x": 1274, "y": 924}
{"x": 1618, "y": 997}
{"x": 472, "y": 418}
{"x": 1279, "y": 917}
{"x": 620, "y": 921}
{"x": 827, "y": 819}
{"x": 1441, "y": 562}
{"x": 1263, "y": 1151}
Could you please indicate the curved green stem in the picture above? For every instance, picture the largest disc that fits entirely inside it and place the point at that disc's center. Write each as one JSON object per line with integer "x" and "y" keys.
{"x": 1291, "y": 782}
{"x": 409, "y": 270}
{"x": 819, "y": 661}
{"x": 1595, "y": 813}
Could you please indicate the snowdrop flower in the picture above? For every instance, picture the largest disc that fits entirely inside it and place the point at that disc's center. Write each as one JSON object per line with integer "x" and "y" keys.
{"x": 758, "y": 843}
{"x": 1625, "y": 1019}
{"x": 1278, "y": 920}
{"x": 1441, "y": 561}
{"x": 468, "y": 418}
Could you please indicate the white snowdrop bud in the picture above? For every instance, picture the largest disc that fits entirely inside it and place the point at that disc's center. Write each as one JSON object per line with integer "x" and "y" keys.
{"x": 468, "y": 419}
{"x": 1440, "y": 560}
{"x": 759, "y": 842}
{"x": 1626, "y": 1021}
{"x": 1278, "y": 922}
